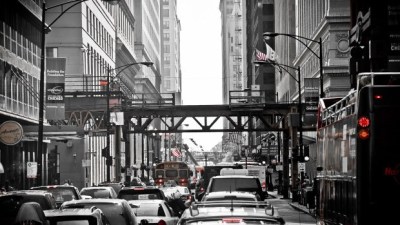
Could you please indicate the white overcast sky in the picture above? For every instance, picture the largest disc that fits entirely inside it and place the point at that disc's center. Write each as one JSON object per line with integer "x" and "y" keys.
{"x": 201, "y": 60}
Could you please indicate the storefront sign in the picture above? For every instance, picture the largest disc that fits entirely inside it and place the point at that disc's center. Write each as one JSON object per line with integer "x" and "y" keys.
{"x": 11, "y": 132}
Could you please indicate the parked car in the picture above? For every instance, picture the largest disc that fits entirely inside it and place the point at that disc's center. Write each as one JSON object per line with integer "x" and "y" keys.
{"x": 116, "y": 185}
{"x": 236, "y": 183}
{"x": 117, "y": 211}
{"x": 61, "y": 193}
{"x": 91, "y": 216}
{"x": 99, "y": 192}
{"x": 230, "y": 196}
{"x": 153, "y": 212}
{"x": 141, "y": 193}
{"x": 229, "y": 214}
{"x": 11, "y": 202}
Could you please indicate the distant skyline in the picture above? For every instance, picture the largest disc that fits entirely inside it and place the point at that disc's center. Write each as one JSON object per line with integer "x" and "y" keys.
{"x": 201, "y": 60}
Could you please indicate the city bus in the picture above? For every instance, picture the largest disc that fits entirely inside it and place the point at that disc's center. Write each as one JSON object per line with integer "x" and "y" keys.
{"x": 358, "y": 153}
{"x": 172, "y": 172}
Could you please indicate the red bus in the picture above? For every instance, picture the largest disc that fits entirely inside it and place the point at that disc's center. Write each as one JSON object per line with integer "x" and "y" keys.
{"x": 358, "y": 153}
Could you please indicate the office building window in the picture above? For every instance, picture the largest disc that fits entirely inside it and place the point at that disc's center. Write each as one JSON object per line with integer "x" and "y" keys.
{"x": 51, "y": 52}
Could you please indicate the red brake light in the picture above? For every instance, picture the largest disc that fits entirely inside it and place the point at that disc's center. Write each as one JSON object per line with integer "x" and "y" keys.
{"x": 232, "y": 220}
{"x": 264, "y": 185}
{"x": 378, "y": 97}
{"x": 162, "y": 222}
{"x": 363, "y": 134}
{"x": 363, "y": 121}
{"x": 139, "y": 189}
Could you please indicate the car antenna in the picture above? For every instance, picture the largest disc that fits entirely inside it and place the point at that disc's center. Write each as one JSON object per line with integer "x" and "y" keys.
{"x": 230, "y": 191}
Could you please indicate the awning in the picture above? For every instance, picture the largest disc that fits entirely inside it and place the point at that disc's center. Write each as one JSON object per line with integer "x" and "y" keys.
{"x": 53, "y": 133}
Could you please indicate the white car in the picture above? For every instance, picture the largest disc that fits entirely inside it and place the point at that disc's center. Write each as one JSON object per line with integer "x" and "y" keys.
{"x": 99, "y": 192}
{"x": 153, "y": 212}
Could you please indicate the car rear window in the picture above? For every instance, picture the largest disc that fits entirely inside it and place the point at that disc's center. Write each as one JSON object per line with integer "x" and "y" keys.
{"x": 96, "y": 193}
{"x": 140, "y": 194}
{"x": 234, "y": 184}
{"x": 60, "y": 194}
{"x": 148, "y": 209}
{"x": 114, "y": 212}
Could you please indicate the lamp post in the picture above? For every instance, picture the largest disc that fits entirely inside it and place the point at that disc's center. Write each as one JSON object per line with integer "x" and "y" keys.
{"x": 299, "y": 148}
{"x": 108, "y": 125}
{"x": 300, "y": 39}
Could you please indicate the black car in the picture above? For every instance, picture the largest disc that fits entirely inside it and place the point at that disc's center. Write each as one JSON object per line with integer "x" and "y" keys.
{"x": 11, "y": 202}
{"x": 61, "y": 193}
{"x": 141, "y": 193}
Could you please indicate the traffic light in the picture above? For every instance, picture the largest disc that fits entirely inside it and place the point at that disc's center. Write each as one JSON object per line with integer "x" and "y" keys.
{"x": 109, "y": 160}
{"x": 243, "y": 152}
{"x": 306, "y": 153}
{"x": 105, "y": 152}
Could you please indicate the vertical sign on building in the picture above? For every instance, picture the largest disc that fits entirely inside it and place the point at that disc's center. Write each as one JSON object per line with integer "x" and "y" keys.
{"x": 55, "y": 88}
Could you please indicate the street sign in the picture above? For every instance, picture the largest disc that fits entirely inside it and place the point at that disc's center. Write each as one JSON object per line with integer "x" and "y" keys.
{"x": 302, "y": 167}
{"x": 31, "y": 169}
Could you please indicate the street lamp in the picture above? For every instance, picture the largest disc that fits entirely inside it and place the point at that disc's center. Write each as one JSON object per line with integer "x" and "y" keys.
{"x": 108, "y": 125}
{"x": 299, "y": 148}
{"x": 300, "y": 39}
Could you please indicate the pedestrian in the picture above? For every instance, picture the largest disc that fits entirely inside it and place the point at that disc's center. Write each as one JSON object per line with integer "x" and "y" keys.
{"x": 176, "y": 203}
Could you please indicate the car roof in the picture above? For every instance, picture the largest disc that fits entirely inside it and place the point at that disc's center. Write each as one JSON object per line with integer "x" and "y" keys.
{"x": 230, "y": 193}
{"x": 27, "y": 192}
{"x": 98, "y": 187}
{"x": 138, "y": 202}
{"x": 72, "y": 212}
{"x": 96, "y": 200}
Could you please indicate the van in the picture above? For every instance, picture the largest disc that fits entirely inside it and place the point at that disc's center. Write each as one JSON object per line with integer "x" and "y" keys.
{"x": 237, "y": 183}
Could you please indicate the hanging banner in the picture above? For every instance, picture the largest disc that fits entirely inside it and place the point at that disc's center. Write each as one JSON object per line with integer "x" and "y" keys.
{"x": 55, "y": 88}
{"x": 311, "y": 94}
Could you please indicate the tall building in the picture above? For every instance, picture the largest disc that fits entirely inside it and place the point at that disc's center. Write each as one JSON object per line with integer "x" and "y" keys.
{"x": 328, "y": 21}
{"x": 171, "y": 79}
{"x": 233, "y": 50}
{"x": 20, "y": 50}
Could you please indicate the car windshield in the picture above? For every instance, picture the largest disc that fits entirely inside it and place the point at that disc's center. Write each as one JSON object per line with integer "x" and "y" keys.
{"x": 234, "y": 184}
{"x": 148, "y": 209}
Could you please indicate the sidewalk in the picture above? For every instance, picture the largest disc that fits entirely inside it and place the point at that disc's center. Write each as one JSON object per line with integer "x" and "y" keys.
{"x": 295, "y": 205}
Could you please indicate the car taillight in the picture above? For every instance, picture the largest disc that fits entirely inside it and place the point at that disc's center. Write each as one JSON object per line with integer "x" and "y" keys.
{"x": 201, "y": 189}
{"x": 232, "y": 220}
{"x": 138, "y": 189}
{"x": 161, "y": 222}
{"x": 183, "y": 182}
{"x": 264, "y": 184}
